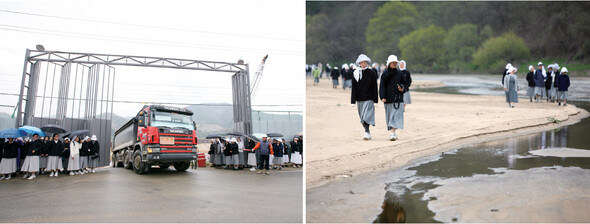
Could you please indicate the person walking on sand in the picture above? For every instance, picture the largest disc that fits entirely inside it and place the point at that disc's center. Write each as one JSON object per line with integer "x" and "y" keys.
{"x": 511, "y": 87}
{"x": 563, "y": 83}
{"x": 316, "y": 75}
{"x": 408, "y": 78}
{"x": 540, "y": 83}
{"x": 265, "y": 151}
{"x": 391, "y": 90}
{"x": 530, "y": 78}
{"x": 335, "y": 74}
{"x": 364, "y": 93}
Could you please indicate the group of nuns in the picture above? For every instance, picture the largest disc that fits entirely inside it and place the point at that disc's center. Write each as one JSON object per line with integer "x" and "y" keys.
{"x": 236, "y": 154}
{"x": 393, "y": 91}
{"x": 37, "y": 156}
{"x": 552, "y": 84}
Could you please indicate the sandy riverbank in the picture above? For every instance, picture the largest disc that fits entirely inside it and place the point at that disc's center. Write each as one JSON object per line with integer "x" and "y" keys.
{"x": 434, "y": 123}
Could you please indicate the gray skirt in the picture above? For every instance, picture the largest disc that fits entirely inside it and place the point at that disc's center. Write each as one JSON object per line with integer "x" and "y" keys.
{"x": 277, "y": 160}
{"x": 93, "y": 162}
{"x": 394, "y": 118}
{"x": 530, "y": 92}
{"x": 42, "y": 162}
{"x": 31, "y": 164}
{"x": 366, "y": 110}
{"x": 228, "y": 160}
{"x": 8, "y": 165}
{"x": 54, "y": 163}
{"x": 215, "y": 159}
{"x": 552, "y": 91}
{"x": 511, "y": 96}
{"x": 335, "y": 82}
{"x": 83, "y": 162}
{"x": 241, "y": 158}
{"x": 540, "y": 91}
{"x": 562, "y": 95}
{"x": 407, "y": 98}
{"x": 252, "y": 159}
{"x": 235, "y": 159}
{"x": 74, "y": 164}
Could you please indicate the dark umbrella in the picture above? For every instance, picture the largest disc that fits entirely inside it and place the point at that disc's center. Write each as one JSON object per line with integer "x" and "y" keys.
{"x": 53, "y": 128}
{"x": 236, "y": 133}
{"x": 12, "y": 133}
{"x": 298, "y": 135}
{"x": 79, "y": 132}
{"x": 32, "y": 130}
{"x": 256, "y": 139}
{"x": 274, "y": 135}
{"x": 212, "y": 136}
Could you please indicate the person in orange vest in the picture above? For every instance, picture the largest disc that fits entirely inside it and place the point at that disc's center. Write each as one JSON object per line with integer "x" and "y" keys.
{"x": 265, "y": 147}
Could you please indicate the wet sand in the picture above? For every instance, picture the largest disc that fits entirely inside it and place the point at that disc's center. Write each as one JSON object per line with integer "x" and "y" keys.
{"x": 434, "y": 123}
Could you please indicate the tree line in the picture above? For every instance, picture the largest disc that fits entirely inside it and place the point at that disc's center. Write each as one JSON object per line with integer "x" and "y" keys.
{"x": 456, "y": 37}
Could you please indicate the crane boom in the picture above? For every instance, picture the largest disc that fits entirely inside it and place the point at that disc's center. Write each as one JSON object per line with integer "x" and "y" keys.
{"x": 258, "y": 76}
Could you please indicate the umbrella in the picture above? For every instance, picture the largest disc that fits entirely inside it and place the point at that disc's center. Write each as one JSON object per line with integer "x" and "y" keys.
{"x": 212, "y": 136}
{"x": 274, "y": 135}
{"x": 32, "y": 130}
{"x": 53, "y": 128}
{"x": 236, "y": 133}
{"x": 256, "y": 139}
{"x": 298, "y": 135}
{"x": 79, "y": 132}
{"x": 12, "y": 133}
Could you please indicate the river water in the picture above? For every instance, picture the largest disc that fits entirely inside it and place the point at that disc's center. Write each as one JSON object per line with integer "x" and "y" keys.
{"x": 430, "y": 189}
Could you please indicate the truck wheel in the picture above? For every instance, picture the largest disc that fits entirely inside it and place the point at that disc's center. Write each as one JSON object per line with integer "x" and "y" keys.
{"x": 138, "y": 165}
{"x": 127, "y": 163}
{"x": 165, "y": 166}
{"x": 181, "y": 166}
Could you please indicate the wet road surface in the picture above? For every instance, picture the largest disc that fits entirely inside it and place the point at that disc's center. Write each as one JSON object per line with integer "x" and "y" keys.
{"x": 162, "y": 195}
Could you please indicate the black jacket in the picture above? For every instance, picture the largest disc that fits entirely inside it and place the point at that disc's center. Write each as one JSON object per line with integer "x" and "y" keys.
{"x": 335, "y": 74}
{"x": 93, "y": 148}
{"x": 390, "y": 79}
{"x": 530, "y": 78}
{"x": 366, "y": 88}
{"x": 55, "y": 149}
{"x": 44, "y": 148}
{"x": 85, "y": 150}
{"x": 295, "y": 147}
{"x": 10, "y": 150}
{"x": 65, "y": 152}
{"x": 408, "y": 79}
{"x": 211, "y": 149}
{"x": 34, "y": 148}
{"x": 233, "y": 147}
{"x": 548, "y": 80}
{"x": 227, "y": 149}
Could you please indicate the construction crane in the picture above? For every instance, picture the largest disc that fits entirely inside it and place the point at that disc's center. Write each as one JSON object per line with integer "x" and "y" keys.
{"x": 258, "y": 76}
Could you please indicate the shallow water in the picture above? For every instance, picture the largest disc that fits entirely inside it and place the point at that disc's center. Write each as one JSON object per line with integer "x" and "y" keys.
{"x": 405, "y": 198}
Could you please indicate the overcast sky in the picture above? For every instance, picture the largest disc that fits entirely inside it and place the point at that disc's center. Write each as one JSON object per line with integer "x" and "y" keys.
{"x": 202, "y": 30}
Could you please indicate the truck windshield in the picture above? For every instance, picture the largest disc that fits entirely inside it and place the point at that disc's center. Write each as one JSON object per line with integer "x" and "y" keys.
{"x": 172, "y": 120}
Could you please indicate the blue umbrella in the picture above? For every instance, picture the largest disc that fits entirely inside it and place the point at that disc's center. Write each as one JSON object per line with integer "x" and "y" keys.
{"x": 12, "y": 133}
{"x": 32, "y": 130}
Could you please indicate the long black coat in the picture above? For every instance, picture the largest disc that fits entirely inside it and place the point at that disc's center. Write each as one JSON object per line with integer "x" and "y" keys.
{"x": 55, "y": 149}
{"x": 94, "y": 148}
{"x": 530, "y": 78}
{"x": 366, "y": 88}
{"x": 408, "y": 78}
{"x": 65, "y": 153}
{"x": 85, "y": 150}
{"x": 390, "y": 79}
{"x": 549, "y": 80}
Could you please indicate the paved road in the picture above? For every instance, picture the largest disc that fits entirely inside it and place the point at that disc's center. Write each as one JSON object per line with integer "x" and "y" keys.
{"x": 163, "y": 195}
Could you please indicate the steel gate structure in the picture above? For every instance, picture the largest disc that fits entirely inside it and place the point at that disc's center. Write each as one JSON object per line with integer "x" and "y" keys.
{"x": 84, "y": 95}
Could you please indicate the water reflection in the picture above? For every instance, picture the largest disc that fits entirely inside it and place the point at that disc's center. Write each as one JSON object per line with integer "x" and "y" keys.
{"x": 404, "y": 199}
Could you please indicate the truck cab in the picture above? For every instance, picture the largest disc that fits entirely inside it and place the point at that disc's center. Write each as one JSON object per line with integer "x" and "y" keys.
{"x": 157, "y": 135}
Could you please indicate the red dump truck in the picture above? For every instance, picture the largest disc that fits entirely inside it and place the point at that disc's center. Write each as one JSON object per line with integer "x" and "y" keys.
{"x": 158, "y": 135}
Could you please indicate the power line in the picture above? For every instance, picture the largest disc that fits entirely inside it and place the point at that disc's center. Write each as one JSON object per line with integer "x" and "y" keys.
{"x": 154, "y": 42}
{"x": 171, "y": 103}
{"x": 147, "y": 26}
